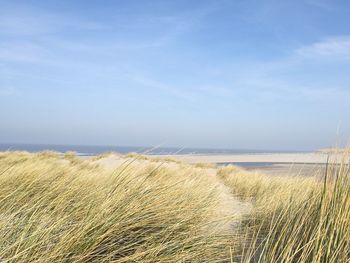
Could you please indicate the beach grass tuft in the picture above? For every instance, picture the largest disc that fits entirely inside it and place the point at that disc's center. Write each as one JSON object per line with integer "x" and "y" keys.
{"x": 54, "y": 210}
{"x": 294, "y": 219}
{"x": 63, "y": 208}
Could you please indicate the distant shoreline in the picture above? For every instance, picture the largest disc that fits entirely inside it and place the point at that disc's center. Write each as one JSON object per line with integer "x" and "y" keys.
{"x": 273, "y": 162}
{"x": 90, "y": 150}
{"x": 281, "y": 158}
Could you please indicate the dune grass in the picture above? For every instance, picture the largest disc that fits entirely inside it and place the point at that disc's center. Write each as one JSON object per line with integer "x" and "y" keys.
{"x": 61, "y": 210}
{"x": 294, "y": 219}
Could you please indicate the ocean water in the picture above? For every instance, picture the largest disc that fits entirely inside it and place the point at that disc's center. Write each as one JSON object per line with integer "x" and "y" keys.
{"x": 85, "y": 150}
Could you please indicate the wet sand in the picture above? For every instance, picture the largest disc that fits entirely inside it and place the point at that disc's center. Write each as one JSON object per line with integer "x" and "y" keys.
{"x": 290, "y": 169}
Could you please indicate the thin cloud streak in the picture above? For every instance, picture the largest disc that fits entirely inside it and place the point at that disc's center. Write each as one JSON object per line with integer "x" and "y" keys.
{"x": 221, "y": 65}
{"x": 331, "y": 48}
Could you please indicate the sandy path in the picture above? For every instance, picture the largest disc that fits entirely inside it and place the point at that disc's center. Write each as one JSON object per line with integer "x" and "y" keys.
{"x": 229, "y": 208}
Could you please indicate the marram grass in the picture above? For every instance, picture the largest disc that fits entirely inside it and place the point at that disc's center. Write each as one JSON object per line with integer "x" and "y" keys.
{"x": 294, "y": 219}
{"x": 64, "y": 209}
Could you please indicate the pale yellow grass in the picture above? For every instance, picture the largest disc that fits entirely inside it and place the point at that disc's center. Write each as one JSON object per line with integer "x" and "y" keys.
{"x": 54, "y": 210}
{"x": 134, "y": 208}
{"x": 294, "y": 219}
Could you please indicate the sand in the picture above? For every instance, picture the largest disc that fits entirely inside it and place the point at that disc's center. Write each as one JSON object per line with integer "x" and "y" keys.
{"x": 290, "y": 169}
{"x": 300, "y": 158}
{"x": 276, "y": 164}
{"x": 229, "y": 207}
{"x": 280, "y": 164}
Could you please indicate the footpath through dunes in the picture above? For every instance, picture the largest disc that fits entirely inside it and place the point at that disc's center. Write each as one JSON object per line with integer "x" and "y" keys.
{"x": 134, "y": 208}
{"x": 111, "y": 208}
{"x": 230, "y": 210}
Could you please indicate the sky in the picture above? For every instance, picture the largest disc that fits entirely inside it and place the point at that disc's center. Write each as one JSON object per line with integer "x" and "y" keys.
{"x": 242, "y": 74}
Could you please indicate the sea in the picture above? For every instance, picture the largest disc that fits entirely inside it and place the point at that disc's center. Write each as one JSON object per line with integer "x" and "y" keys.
{"x": 90, "y": 150}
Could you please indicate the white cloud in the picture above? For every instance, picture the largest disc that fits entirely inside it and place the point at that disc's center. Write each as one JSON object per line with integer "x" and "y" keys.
{"x": 335, "y": 47}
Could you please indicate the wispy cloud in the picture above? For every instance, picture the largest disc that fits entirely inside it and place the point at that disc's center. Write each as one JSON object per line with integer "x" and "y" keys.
{"x": 33, "y": 35}
{"x": 294, "y": 77}
{"x": 39, "y": 38}
{"x": 334, "y": 47}
{"x": 110, "y": 53}
{"x": 160, "y": 86}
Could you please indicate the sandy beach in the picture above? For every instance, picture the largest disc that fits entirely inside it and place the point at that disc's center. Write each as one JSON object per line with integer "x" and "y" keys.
{"x": 292, "y": 158}
{"x": 277, "y": 164}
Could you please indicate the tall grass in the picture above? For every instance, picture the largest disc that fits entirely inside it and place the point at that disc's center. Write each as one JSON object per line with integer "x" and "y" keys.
{"x": 58, "y": 210}
{"x": 295, "y": 219}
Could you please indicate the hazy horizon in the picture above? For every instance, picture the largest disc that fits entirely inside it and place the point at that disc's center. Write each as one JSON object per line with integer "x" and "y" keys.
{"x": 146, "y": 148}
{"x": 196, "y": 74}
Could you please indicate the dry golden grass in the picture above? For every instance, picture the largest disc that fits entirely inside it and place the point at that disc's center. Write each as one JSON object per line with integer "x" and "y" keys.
{"x": 294, "y": 219}
{"x": 138, "y": 156}
{"x": 205, "y": 165}
{"x": 267, "y": 193}
{"x": 56, "y": 208}
{"x": 54, "y": 211}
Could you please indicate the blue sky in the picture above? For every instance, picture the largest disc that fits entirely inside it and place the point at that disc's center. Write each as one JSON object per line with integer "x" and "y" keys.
{"x": 229, "y": 74}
